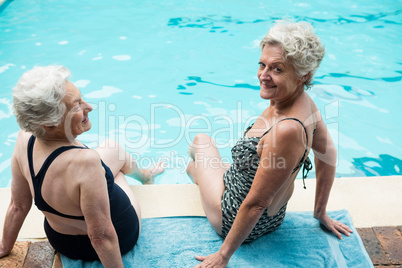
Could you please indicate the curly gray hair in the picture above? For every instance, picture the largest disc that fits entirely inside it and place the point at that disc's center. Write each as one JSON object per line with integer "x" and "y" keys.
{"x": 301, "y": 46}
{"x": 37, "y": 98}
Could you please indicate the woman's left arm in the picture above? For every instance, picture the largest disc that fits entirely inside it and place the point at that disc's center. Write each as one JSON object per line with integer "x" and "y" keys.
{"x": 325, "y": 162}
{"x": 21, "y": 202}
{"x": 285, "y": 144}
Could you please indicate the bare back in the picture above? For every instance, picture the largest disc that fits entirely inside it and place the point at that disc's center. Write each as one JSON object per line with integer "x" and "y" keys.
{"x": 61, "y": 184}
{"x": 302, "y": 109}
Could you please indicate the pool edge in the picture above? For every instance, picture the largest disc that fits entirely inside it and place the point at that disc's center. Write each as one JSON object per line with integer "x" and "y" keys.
{"x": 369, "y": 200}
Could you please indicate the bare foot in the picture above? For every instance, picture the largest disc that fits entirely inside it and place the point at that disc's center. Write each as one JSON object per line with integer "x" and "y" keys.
{"x": 148, "y": 175}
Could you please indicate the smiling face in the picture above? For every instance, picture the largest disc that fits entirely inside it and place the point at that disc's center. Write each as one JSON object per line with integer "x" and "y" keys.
{"x": 278, "y": 79}
{"x": 76, "y": 120}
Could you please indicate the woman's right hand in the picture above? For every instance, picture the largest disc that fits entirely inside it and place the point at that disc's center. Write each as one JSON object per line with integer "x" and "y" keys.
{"x": 213, "y": 260}
{"x": 336, "y": 227}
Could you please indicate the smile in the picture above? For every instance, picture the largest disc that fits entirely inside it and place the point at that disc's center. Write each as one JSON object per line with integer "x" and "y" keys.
{"x": 268, "y": 86}
{"x": 85, "y": 120}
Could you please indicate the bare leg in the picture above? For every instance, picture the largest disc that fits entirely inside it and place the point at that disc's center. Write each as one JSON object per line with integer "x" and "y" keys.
{"x": 207, "y": 171}
{"x": 122, "y": 182}
{"x": 118, "y": 160}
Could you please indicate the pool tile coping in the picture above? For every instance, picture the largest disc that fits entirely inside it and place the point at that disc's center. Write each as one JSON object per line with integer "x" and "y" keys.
{"x": 380, "y": 194}
{"x": 371, "y": 201}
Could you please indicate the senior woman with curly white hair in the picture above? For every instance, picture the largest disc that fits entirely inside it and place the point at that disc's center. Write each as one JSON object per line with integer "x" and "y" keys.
{"x": 90, "y": 211}
{"x": 248, "y": 199}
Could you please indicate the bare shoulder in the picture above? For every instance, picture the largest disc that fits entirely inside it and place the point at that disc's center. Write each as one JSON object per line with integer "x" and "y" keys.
{"x": 21, "y": 145}
{"x": 84, "y": 164}
{"x": 24, "y": 135}
{"x": 86, "y": 158}
{"x": 286, "y": 132}
{"x": 20, "y": 189}
{"x": 87, "y": 155}
{"x": 287, "y": 129}
{"x": 22, "y": 139}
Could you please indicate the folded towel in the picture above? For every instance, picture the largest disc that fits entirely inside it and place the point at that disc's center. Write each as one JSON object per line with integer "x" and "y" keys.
{"x": 299, "y": 242}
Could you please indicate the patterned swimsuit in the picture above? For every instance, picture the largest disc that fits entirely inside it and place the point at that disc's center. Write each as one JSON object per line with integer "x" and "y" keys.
{"x": 238, "y": 179}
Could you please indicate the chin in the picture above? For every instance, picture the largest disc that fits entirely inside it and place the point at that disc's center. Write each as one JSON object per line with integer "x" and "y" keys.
{"x": 87, "y": 126}
{"x": 265, "y": 96}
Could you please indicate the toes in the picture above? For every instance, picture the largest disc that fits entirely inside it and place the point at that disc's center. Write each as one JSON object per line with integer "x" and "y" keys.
{"x": 159, "y": 168}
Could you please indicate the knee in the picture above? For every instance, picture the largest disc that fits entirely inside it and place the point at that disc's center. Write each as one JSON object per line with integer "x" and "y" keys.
{"x": 202, "y": 138}
{"x": 200, "y": 142}
{"x": 111, "y": 148}
{"x": 110, "y": 144}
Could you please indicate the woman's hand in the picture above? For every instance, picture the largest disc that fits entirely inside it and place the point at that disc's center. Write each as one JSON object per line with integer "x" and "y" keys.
{"x": 336, "y": 227}
{"x": 213, "y": 260}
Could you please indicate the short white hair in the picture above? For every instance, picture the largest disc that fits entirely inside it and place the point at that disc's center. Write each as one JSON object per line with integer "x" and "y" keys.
{"x": 38, "y": 98}
{"x": 301, "y": 46}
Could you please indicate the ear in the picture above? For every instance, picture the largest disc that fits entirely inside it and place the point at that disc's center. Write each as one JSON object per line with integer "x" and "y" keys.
{"x": 47, "y": 128}
{"x": 304, "y": 78}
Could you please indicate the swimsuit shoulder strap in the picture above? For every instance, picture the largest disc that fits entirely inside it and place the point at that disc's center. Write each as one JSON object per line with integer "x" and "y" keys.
{"x": 304, "y": 160}
{"x": 37, "y": 179}
{"x": 49, "y": 160}
{"x": 289, "y": 118}
{"x": 249, "y": 127}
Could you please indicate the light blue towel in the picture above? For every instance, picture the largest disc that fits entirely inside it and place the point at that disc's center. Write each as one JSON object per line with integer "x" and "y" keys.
{"x": 298, "y": 242}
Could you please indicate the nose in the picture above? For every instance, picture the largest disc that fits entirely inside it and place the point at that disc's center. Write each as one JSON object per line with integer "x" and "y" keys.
{"x": 87, "y": 106}
{"x": 264, "y": 74}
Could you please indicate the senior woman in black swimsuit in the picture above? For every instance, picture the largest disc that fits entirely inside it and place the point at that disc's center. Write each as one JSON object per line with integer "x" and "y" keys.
{"x": 90, "y": 211}
{"x": 248, "y": 199}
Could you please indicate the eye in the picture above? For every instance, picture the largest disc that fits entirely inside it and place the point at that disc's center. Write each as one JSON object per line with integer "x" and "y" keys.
{"x": 277, "y": 69}
{"x": 77, "y": 105}
{"x": 262, "y": 65}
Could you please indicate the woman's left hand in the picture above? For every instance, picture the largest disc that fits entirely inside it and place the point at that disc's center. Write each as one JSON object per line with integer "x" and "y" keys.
{"x": 213, "y": 260}
{"x": 336, "y": 227}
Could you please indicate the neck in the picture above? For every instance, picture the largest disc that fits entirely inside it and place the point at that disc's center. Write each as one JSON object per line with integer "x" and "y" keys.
{"x": 53, "y": 138}
{"x": 281, "y": 105}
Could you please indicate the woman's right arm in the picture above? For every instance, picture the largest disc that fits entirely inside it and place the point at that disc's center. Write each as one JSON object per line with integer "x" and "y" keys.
{"x": 21, "y": 202}
{"x": 94, "y": 203}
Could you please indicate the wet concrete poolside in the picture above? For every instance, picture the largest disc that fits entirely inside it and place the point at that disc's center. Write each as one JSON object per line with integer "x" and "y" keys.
{"x": 373, "y": 203}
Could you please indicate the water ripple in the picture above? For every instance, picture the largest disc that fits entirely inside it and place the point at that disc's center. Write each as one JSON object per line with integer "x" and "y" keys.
{"x": 385, "y": 165}
{"x": 197, "y": 79}
{"x": 386, "y": 79}
{"x": 214, "y": 23}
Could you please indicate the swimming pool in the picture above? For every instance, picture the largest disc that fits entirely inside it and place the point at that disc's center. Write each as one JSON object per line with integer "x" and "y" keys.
{"x": 158, "y": 72}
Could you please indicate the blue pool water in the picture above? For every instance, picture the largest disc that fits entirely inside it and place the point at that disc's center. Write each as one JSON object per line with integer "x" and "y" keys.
{"x": 158, "y": 72}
